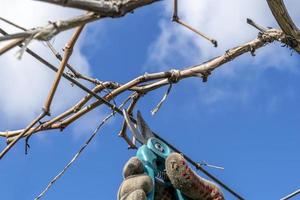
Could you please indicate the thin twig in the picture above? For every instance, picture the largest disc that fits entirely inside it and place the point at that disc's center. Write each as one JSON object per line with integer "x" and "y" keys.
{"x": 257, "y": 26}
{"x": 134, "y": 99}
{"x": 75, "y": 73}
{"x": 179, "y": 21}
{"x": 156, "y": 109}
{"x": 213, "y": 41}
{"x": 10, "y": 145}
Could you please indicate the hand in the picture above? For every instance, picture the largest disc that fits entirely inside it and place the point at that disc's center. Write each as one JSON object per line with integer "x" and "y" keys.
{"x": 137, "y": 184}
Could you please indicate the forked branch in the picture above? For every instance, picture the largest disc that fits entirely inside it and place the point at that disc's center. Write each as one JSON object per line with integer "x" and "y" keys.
{"x": 149, "y": 82}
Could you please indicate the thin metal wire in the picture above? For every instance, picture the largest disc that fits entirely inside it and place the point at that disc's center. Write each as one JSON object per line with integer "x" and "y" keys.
{"x": 291, "y": 195}
{"x": 75, "y": 157}
{"x": 13, "y": 24}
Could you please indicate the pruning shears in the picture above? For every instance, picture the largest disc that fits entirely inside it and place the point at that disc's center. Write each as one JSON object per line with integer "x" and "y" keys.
{"x": 152, "y": 153}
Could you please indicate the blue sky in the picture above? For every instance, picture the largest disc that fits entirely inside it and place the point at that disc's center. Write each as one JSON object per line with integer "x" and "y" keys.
{"x": 246, "y": 118}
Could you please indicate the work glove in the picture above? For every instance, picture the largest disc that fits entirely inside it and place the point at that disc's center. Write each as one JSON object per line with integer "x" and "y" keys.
{"x": 137, "y": 184}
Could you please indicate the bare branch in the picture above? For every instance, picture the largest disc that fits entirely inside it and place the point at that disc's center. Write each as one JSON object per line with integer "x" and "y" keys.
{"x": 105, "y": 8}
{"x": 156, "y": 109}
{"x": 285, "y": 22}
{"x": 47, "y": 32}
{"x": 150, "y": 82}
{"x": 257, "y": 26}
{"x": 68, "y": 53}
{"x": 113, "y": 8}
{"x": 9, "y": 146}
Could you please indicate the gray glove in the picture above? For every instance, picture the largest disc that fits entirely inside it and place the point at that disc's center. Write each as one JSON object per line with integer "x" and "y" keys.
{"x": 137, "y": 184}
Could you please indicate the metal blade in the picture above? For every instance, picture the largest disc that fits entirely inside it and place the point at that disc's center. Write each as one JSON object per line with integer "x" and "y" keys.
{"x": 133, "y": 129}
{"x": 143, "y": 127}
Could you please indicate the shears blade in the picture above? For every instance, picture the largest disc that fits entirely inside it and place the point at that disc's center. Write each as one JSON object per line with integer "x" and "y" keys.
{"x": 135, "y": 132}
{"x": 143, "y": 127}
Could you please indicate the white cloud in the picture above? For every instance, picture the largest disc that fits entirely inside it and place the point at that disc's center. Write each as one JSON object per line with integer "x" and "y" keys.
{"x": 226, "y": 22}
{"x": 222, "y": 20}
{"x": 25, "y": 83}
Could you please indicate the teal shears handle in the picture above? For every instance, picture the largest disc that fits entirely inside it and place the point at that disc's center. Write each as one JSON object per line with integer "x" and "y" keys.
{"x": 150, "y": 171}
{"x": 149, "y": 158}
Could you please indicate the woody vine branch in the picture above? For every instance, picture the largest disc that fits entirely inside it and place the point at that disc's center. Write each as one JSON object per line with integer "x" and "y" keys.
{"x": 141, "y": 85}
